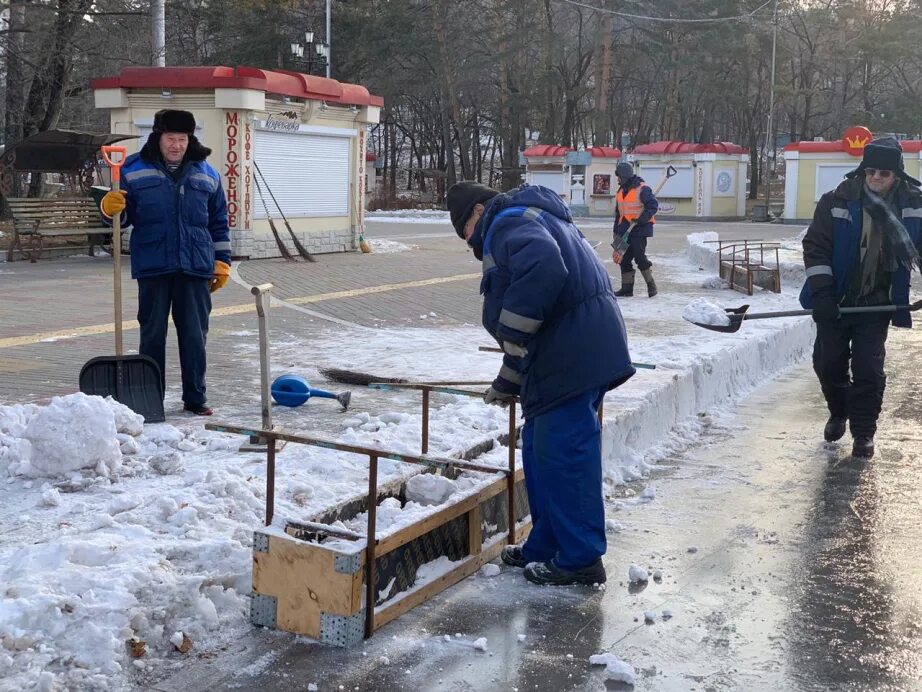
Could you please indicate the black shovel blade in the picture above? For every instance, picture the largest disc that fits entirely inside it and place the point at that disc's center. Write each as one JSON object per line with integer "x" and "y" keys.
{"x": 131, "y": 380}
{"x": 736, "y": 315}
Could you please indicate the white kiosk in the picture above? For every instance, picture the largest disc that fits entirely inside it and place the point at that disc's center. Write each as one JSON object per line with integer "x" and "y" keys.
{"x": 306, "y": 133}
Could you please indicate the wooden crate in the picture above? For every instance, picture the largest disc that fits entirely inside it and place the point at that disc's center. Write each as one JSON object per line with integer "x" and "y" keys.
{"x": 311, "y": 582}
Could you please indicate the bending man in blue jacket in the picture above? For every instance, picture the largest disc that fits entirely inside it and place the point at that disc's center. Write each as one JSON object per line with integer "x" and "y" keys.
{"x": 180, "y": 244}
{"x": 548, "y": 301}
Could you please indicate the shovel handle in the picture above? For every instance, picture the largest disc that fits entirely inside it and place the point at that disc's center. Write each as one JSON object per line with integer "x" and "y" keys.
{"x": 844, "y": 311}
{"x": 116, "y": 166}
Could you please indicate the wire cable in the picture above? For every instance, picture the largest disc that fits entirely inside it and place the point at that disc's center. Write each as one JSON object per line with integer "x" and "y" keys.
{"x": 674, "y": 20}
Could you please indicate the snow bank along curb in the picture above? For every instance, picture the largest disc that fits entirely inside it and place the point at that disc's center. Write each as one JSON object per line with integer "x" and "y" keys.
{"x": 715, "y": 379}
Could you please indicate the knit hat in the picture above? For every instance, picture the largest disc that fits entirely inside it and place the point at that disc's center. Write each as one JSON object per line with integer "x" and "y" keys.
{"x": 624, "y": 171}
{"x": 884, "y": 153}
{"x": 182, "y": 122}
{"x": 462, "y": 198}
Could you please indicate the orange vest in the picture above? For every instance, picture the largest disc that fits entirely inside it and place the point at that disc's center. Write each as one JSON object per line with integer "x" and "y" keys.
{"x": 629, "y": 205}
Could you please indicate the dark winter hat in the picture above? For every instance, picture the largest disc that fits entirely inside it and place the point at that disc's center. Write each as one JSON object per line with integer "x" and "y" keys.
{"x": 884, "y": 153}
{"x": 167, "y": 120}
{"x": 624, "y": 170}
{"x": 462, "y": 198}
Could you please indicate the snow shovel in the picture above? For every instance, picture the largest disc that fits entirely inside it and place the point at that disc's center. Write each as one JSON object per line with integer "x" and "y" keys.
{"x": 135, "y": 380}
{"x": 737, "y": 315}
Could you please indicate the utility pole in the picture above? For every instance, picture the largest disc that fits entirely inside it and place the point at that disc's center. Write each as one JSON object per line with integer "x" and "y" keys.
{"x": 329, "y": 42}
{"x": 158, "y": 32}
{"x": 769, "y": 137}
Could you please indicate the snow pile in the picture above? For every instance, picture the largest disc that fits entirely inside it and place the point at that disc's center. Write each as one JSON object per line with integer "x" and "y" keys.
{"x": 429, "y": 489}
{"x": 702, "y": 250}
{"x": 409, "y": 216}
{"x": 703, "y": 311}
{"x": 615, "y": 668}
{"x": 72, "y": 433}
{"x": 388, "y": 247}
{"x": 97, "y": 563}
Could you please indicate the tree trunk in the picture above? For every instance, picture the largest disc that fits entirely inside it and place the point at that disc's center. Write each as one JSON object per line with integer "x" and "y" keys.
{"x": 451, "y": 107}
{"x": 754, "y": 168}
{"x": 12, "y": 127}
{"x": 600, "y": 131}
{"x": 49, "y": 86}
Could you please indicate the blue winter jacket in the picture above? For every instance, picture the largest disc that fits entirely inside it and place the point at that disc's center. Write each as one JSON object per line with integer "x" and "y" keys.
{"x": 178, "y": 226}
{"x": 545, "y": 289}
{"x": 832, "y": 241}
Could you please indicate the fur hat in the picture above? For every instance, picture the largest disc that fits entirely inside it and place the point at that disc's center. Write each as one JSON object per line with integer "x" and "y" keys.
{"x": 883, "y": 153}
{"x": 167, "y": 120}
{"x": 462, "y": 198}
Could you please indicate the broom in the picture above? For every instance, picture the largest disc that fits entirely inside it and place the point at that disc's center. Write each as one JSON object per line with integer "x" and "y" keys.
{"x": 298, "y": 246}
{"x": 278, "y": 240}
{"x": 357, "y": 378}
{"x": 364, "y": 379}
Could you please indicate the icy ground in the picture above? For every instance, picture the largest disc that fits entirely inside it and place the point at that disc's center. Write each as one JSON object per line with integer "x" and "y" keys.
{"x": 117, "y": 539}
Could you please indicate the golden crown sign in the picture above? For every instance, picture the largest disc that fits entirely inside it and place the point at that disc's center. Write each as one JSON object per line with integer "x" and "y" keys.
{"x": 855, "y": 138}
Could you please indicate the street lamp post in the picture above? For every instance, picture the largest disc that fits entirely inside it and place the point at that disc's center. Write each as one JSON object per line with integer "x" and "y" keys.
{"x": 311, "y": 54}
{"x": 769, "y": 138}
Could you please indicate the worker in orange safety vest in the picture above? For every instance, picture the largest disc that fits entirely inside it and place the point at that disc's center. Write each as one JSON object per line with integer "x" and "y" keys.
{"x": 634, "y": 203}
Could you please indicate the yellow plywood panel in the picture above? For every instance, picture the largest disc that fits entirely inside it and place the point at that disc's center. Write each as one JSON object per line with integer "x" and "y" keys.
{"x": 302, "y": 576}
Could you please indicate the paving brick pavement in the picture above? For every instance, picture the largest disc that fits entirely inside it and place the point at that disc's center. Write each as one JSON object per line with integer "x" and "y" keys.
{"x": 67, "y": 294}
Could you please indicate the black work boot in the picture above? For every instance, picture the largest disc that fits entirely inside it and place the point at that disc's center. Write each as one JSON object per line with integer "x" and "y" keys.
{"x": 549, "y": 574}
{"x": 651, "y": 284}
{"x": 863, "y": 447}
{"x": 512, "y": 555}
{"x": 835, "y": 428}
{"x": 627, "y": 285}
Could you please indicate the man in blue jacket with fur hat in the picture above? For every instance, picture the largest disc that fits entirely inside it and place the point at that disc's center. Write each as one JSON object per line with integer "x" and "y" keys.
{"x": 548, "y": 302}
{"x": 858, "y": 251}
{"x": 180, "y": 244}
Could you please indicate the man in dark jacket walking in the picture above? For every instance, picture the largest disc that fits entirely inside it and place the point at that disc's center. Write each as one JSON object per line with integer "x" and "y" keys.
{"x": 635, "y": 203}
{"x": 180, "y": 244}
{"x": 548, "y": 302}
{"x": 859, "y": 251}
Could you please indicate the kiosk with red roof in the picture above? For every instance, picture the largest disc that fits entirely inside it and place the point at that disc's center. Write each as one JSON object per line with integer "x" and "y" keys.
{"x": 546, "y": 164}
{"x": 585, "y": 179}
{"x": 813, "y": 168}
{"x": 307, "y": 134}
{"x": 710, "y": 183}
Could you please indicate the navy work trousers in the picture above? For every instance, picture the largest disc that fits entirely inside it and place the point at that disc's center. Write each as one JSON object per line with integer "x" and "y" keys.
{"x": 636, "y": 252}
{"x": 189, "y": 299}
{"x": 853, "y": 343}
{"x": 562, "y": 459}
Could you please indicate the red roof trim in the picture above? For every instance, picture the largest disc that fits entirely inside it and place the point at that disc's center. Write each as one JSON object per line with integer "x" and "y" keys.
{"x": 283, "y": 83}
{"x": 546, "y": 150}
{"x": 370, "y": 156}
{"x": 676, "y": 147}
{"x": 910, "y": 146}
{"x": 605, "y": 152}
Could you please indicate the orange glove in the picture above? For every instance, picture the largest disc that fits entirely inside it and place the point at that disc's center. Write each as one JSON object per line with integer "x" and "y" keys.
{"x": 221, "y": 275}
{"x": 113, "y": 203}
